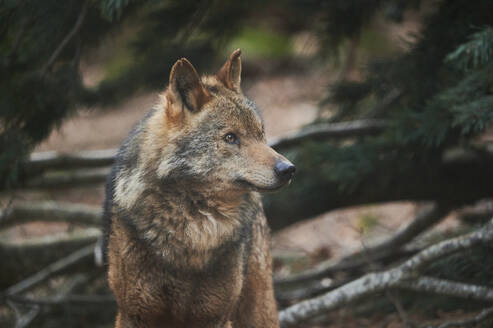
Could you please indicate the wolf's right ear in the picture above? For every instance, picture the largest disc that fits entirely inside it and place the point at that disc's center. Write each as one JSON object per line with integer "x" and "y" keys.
{"x": 185, "y": 86}
{"x": 230, "y": 73}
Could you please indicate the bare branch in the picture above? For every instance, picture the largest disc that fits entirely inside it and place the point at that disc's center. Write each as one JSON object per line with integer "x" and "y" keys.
{"x": 402, "y": 276}
{"x": 449, "y": 288}
{"x": 61, "y": 161}
{"x": 329, "y": 131}
{"x": 386, "y": 102}
{"x": 50, "y": 211}
{"x": 50, "y": 270}
{"x": 471, "y": 322}
{"x": 23, "y": 319}
{"x": 423, "y": 220}
{"x": 68, "y": 178}
{"x": 391, "y": 295}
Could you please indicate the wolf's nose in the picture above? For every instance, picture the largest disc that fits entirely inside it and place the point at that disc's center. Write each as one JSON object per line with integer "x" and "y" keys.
{"x": 284, "y": 170}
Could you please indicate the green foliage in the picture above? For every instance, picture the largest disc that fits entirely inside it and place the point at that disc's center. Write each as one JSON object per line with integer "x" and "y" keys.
{"x": 165, "y": 32}
{"x": 475, "y": 53}
{"x": 39, "y": 78}
{"x": 440, "y": 106}
{"x": 261, "y": 43}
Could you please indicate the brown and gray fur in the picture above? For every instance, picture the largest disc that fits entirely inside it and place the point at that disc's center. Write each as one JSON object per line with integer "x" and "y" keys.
{"x": 186, "y": 236}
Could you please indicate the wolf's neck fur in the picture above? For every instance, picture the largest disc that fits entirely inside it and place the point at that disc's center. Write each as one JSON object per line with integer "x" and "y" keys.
{"x": 181, "y": 224}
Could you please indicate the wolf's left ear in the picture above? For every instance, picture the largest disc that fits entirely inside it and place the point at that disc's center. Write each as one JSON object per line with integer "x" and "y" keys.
{"x": 230, "y": 73}
{"x": 185, "y": 86}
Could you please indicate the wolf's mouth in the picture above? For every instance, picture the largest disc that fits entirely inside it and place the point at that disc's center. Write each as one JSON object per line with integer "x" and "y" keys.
{"x": 250, "y": 185}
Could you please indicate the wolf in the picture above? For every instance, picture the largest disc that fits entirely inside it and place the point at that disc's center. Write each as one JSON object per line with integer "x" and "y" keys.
{"x": 187, "y": 242}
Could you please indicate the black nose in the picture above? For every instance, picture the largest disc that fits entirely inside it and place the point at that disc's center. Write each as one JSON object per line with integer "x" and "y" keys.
{"x": 284, "y": 170}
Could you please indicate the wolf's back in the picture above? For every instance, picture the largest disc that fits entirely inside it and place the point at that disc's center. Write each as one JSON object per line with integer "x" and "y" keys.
{"x": 126, "y": 159}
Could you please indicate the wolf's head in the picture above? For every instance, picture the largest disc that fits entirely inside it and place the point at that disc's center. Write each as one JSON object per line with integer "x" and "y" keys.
{"x": 213, "y": 135}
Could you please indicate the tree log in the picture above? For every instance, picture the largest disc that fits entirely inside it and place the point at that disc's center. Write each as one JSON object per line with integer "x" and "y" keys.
{"x": 52, "y": 160}
{"x": 63, "y": 179}
{"x": 50, "y": 211}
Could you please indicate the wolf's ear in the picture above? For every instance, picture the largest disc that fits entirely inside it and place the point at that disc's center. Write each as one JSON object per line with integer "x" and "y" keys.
{"x": 185, "y": 86}
{"x": 230, "y": 73}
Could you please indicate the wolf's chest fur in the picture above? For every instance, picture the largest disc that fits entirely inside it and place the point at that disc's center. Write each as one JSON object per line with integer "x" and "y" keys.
{"x": 176, "y": 288}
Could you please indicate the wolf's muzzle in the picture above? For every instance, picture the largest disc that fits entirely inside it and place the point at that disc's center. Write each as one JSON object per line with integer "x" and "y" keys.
{"x": 284, "y": 170}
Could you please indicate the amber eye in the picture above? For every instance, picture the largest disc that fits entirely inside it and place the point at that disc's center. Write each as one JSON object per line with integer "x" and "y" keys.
{"x": 231, "y": 138}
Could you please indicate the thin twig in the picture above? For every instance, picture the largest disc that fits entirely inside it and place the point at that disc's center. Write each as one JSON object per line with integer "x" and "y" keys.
{"x": 50, "y": 270}
{"x": 469, "y": 322}
{"x": 400, "y": 309}
{"x": 67, "y": 38}
{"x": 23, "y": 319}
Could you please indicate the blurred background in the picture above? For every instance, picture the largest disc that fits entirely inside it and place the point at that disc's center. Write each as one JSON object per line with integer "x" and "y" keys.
{"x": 384, "y": 106}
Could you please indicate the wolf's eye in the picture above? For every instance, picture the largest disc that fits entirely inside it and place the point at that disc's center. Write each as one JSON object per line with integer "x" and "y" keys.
{"x": 231, "y": 138}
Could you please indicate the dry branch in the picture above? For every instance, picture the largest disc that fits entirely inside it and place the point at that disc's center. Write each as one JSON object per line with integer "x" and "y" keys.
{"x": 405, "y": 275}
{"x": 50, "y": 270}
{"x": 59, "y": 179}
{"x": 471, "y": 322}
{"x": 23, "y": 319}
{"x": 426, "y": 218}
{"x": 50, "y": 211}
{"x": 326, "y": 131}
{"x": 52, "y": 160}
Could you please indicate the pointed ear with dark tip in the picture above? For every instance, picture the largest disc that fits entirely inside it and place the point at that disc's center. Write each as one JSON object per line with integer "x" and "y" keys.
{"x": 185, "y": 86}
{"x": 230, "y": 73}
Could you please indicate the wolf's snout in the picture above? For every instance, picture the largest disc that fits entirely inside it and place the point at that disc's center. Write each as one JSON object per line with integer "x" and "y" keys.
{"x": 284, "y": 169}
